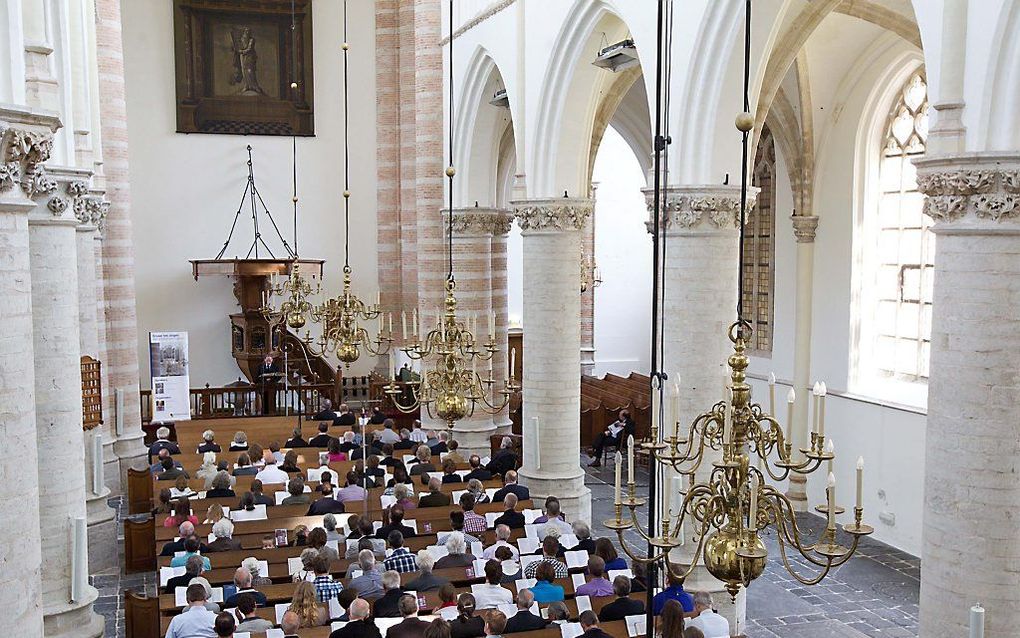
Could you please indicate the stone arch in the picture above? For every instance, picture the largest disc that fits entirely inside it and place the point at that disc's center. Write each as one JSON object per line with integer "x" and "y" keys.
{"x": 1000, "y": 117}
{"x": 625, "y": 106}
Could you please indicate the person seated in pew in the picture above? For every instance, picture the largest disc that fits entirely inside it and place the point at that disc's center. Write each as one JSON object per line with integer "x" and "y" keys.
{"x": 326, "y": 413}
{"x": 495, "y": 624}
{"x": 326, "y": 504}
{"x": 491, "y": 594}
{"x": 670, "y": 624}
{"x": 474, "y": 523}
{"x": 207, "y": 471}
{"x": 157, "y": 465}
{"x": 347, "y": 597}
{"x": 606, "y": 551}
{"x": 554, "y": 516}
{"x": 418, "y": 435}
{"x": 257, "y": 455}
{"x": 454, "y": 455}
{"x": 426, "y": 580}
{"x": 675, "y": 591}
{"x": 505, "y": 459}
{"x": 240, "y": 441}
{"x": 450, "y": 472}
{"x": 693, "y": 632}
{"x": 510, "y": 566}
{"x": 182, "y": 489}
{"x": 360, "y": 624}
{"x": 400, "y": 476}
{"x": 223, "y": 530}
{"x": 243, "y": 583}
{"x": 557, "y": 613}
{"x": 165, "y": 504}
{"x": 401, "y": 560}
{"x": 193, "y": 568}
{"x": 321, "y": 439}
{"x": 317, "y": 540}
{"x": 354, "y": 524}
{"x": 347, "y": 444}
{"x": 553, "y": 531}
{"x": 307, "y": 571}
{"x": 510, "y": 517}
{"x": 195, "y": 621}
{"x": 290, "y": 463}
{"x": 373, "y": 470}
{"x": 389, "y": 434}
{"x": 457, "y": 555}
{"x": 457, "y": 525}
{"x": 377, "y": 418}
{"x": 351, "y": 490}
{"x": 296, "y": 440}
{"x": 403, "y": 494}
{"x": 170, "y": 471}
{"x": 257, "y": 580}
{"x": 614, "y": 434}
{"x": 411, "y": 626}
{"x": 191, "y": 548}
{"x": 374, "y": 545}
{"x": 387, "y": 459}
{"x": 345, "y": 416}
{"x": 296, "y": 489}
{"x": 597, "y": 584}
{"x": 300, "y": 536}
{"x": 583, "y": 533}
{"x": 335, "y": 454}
{"x": 590, "y": 625}
{"x": 477, "y": 471}
{"x": 369, "y": 583}
{"x": 510, "y": 486}
{"x": 467, "y": 624}
{"x": 422, "y": 462}
{"x": 502, "y": 538}
{"x": 244, "y": 466}
{"x": 549, "y": 546}
{"x": 477, "y": 490}
{"x": 435, "y": 497}
{"x": 325, "y": 478}
{"x": 524, "y": 620}
{"x": 220, "y": 487}
{"x": 623, "y": 606}
{"x": 163, "y": 442}
{"x": 182, "y": 512}
{"x": 405, "y": 442}
{"x": 447, "y": 597}
{"x": 395, "y": 513}
{"x": 290, "y": 624}
{"x": 184, "y": 531}
{"x": 326, "y": 588}
{"x": 305, "y": 604}
{"x": 208, "y": 443}
{"x": 250, "y": 621}
{"x": 329, "y": 523}
{"x": 545, "y": 590}
{"x": 387, "y": 605}
{"x": 271, "y": 473}
{"x": 442, "y": 443}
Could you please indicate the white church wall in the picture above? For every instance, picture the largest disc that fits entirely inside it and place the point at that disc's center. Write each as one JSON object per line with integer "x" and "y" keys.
{"x": 186, "y": 188}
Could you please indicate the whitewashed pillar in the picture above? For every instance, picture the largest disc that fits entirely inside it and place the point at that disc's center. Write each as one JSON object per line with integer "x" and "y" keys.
{"x": 804, "y": 227}
{"x": 551, "y": 229}
{"x": 970, "y": 547}
{"x": 25, "y": 142}
{"x": 58, "y": 412}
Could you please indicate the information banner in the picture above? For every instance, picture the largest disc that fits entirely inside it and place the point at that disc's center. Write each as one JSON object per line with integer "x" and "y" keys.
{"x": 168, "y": 368}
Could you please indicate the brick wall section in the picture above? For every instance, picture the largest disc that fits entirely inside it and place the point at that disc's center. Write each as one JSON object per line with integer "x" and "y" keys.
{"x": 121, "y": 361}
{"x": 388, "y": 153}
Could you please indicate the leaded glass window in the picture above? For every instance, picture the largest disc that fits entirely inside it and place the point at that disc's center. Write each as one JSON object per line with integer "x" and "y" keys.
{"x": 758, "y": 269}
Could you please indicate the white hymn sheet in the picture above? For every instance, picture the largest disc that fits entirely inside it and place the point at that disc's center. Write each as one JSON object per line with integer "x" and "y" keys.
{"x": 525, "y": 583}
{"x": 619, "y": 572}
{"x": 578, "y": 580}
{"x": 530, "y": 515}
{"x": 576, "y": 559}
{"x": 636, "y": 625}
{"x": 570, "y": 630}
{"x": 583, "y": 603}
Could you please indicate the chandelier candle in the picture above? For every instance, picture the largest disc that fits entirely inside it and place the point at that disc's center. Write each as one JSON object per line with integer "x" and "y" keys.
{"x": 791, "y": 399}
{"x": 816, "y": 392}
{"x": 752, "y": 516}
{"x": 860, "y": 482}
{"x": 822, "y": 391}
{"x": 674, "y": 407}
{"x": 832, "y": 501}
{"x": 772, "y": 392}
{"x": 630, "y": 459}
{"x": 619, "y": 464}
{"x": 830, "y": 448}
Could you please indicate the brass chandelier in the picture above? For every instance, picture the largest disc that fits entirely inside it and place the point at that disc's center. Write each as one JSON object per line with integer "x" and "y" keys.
{"x": 340, "y": 317}
{"x": 452, "y": 388}
{"x": 730, "y": 508}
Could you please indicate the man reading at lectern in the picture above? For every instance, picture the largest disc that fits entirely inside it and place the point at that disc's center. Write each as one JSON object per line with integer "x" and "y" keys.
{"x": 267, "y": 374}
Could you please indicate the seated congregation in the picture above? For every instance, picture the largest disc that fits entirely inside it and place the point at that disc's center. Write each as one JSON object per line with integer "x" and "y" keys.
{"x": 370, "y": 530}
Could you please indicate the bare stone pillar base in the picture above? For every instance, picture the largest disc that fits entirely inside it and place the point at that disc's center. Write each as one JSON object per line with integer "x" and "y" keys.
{"x": 102, "y": 533}
{"x": 472, "y": 436}
{"x": 74, "y": 620}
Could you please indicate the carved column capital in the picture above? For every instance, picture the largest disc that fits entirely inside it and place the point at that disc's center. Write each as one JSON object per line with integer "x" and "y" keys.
{"x": 477, "y": 220}
{"x": 973, "y": 190}
{"x": 63, "y": 194}
{"x": 699, "y": 208}
{"x": 553, "y": 214}
{"x": 804, "y": 227}
{"x": 26, "y": 141}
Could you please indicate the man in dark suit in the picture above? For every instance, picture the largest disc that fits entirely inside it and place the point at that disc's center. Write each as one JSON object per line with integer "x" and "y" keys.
{"x": 477, "y": 471}
{"x": 326, "y": 504}
{"x": 524, "y": 620}
{"x": 321, "y": 439}
{"x": 504, "y": 460}
{"x": 410, "y": 626}
{"x": 510, "y": 486}
{"x": 396, "y": 524}
{"x": 242, "y": 581}
{"x": 510, "y": 518}
{"x": 266, "y": 376}
{"x": 192, "y": 569}
{"x": 346, "y": 417}
{"x": 326, "y": 413}
{"x": 170, "y": 471}
{"x": 296, "y": 440}
{"x": 590, "y": 625}
{"x": 360, "y": 625}
{"x": 435, "y": 497}
{"x": 377, "y": 418}
{"x": 622, "y": 606}
{"x": 185, "y": 530}
{"x": 388, "y": 605}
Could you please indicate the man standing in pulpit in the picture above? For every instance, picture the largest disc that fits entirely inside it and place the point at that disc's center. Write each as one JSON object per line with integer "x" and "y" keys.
{"x": 267, "y": 376}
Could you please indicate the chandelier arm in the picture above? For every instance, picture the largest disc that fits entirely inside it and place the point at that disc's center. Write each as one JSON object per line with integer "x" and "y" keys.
{"x": 645, "y": 560}
{"x": 804, "y": 580}
{"x": 697, "y": 458}
{"x": 702, "y": 536}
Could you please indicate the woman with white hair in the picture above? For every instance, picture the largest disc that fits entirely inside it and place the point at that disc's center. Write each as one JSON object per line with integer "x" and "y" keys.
{"x": 457, "y": 555}
{"x": 426, "y": 581}
{"x": 307, "y": 571}
{"x": 162, "y": 442}
{"x": 240, "y": 441}
{"x": 208, "y": 443}
{"x": 257, "y": 579}
{"x": 403, "y": 495}
{"x": 329, "y": 523}
{"x": 223, "y": 530}
{"x": 583, "y": 533}
{"x": 208, "y": 469}
{"x": 424, "y": 464}
{"x": 476, "y": 489}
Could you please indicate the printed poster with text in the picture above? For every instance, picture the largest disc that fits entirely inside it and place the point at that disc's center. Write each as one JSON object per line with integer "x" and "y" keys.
{"x": 168, "y": 367}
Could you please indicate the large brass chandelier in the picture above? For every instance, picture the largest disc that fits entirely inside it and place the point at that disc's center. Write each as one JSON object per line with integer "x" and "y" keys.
{"x": 732, "y": 505}
{"x": 298, "y": 295}
{"x": 452, "y": 388}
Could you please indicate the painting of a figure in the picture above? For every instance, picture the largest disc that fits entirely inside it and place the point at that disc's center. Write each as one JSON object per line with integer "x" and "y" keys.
{"x": 246, "y": 61}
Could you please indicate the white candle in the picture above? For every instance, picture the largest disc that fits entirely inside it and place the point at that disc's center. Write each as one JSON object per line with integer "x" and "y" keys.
{"x": 830, "y": 448}
{"x": 378, "y": 298}
{"x": 772, "y": 393}
{"x": 492, "y": 325}
{"x": 513, "y": 360}
{"x": 403, "y": 324}
{"x": 832, "y": 501}
{"x": 822, "y": 391}
{"x": 977, "y": 621}
{"x": 474, "y": 368}
{"x": 619, "y": 465}
{"x": 630, "y": 458}
{"x": 752, "y": 517}
{"x": 393, "y": 373}
{"x": 667, "y": 498}
{"x": 814, "y": 394}
{"x": 791, "y": 399}
{"x": 674, "y": 406}
{"x": 860, "y": 482}
{"x": 414, "y": 322}
{"x": 678, "y": 489}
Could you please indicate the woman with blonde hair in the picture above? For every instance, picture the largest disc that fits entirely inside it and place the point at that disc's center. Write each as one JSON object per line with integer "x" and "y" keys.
{"x": 214, "y": 513}
{"x": 305, "y": 605}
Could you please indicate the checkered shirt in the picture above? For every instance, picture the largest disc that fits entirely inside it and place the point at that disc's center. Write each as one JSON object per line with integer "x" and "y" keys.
{"x": 561, "y": 569}
{"x": 474, "y": 522}
{"x": 401, "y": 561}
{"x": 326, "y": 588}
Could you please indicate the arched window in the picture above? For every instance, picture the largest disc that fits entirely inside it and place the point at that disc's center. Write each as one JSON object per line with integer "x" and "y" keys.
{"x": 896, "y": 286}
{"x": 759, "y": 246}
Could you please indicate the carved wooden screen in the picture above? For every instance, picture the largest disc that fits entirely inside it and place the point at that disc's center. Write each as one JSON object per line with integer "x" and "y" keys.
{"x": 91, "y": 392}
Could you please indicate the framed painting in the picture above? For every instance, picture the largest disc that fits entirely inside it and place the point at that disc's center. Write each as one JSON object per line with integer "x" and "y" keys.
{"x": 241, "y": 69}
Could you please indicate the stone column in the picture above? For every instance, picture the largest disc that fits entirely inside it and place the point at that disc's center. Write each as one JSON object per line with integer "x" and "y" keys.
{"x": 970, "y": 548}
{"x": 804, "y": 227}
{"x": 700, "y": 275}
{"x": 588, "y": 296}
{"x": 59, "y": 436}
{"x": 121, "y": 361}
{"x": 551, "y": 229}
{"x": 25, "y": 141}
{"x": 500, "y": 296}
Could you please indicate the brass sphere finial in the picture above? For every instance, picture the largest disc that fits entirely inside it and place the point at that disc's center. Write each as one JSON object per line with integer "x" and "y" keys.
{"x": 744, "y": 122}
{"x": 347, "y": 194}
{"x": 346, "y": 46}
{"x": 450, "y": 171}
{"x": 294, "y": 199}
{"x": 293, "y": 85}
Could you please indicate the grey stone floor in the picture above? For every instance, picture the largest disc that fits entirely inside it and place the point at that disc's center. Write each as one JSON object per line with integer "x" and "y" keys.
{"x": 874, "y": 594}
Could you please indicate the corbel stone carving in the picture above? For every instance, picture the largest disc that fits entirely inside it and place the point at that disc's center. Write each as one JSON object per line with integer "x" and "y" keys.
{"x": 22, "y": 150}
{"x": 563, "y": 214}
{"x": 983, "y": 192}
{"x": 57, "y": 205}
{"x": 36, "y": 183}
{"x": 701, "y": 207}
